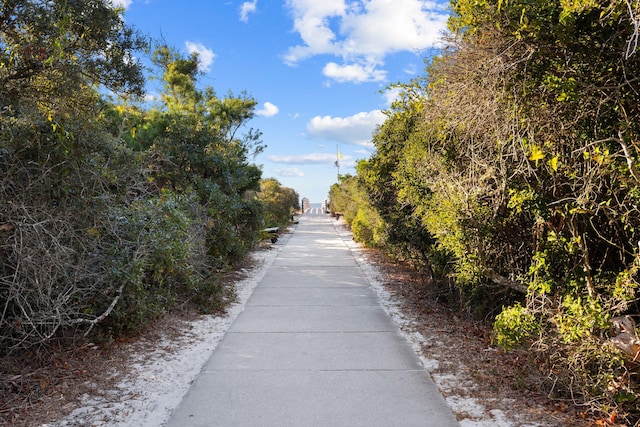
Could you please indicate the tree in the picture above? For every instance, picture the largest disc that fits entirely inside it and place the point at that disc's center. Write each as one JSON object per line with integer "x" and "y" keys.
{"x": 197, "y": 217}
{"x": 194, "y": 143}
{"x": 387, "y": 187}
{"x": 279, "y": 202}
{"x": 59, "y": 41}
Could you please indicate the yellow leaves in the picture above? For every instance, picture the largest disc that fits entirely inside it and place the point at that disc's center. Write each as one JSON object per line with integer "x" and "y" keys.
{"x": 536, "y": 153}
{"x": 578, "y": 6}
{"x": 54, "y": 125}
{"x": 578, "y": 211}
{"x": 520, "y": 200}
{"x": 600, "y": 156}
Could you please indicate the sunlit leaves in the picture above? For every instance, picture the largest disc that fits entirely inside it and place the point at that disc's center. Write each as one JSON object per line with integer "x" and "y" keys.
{"x": 279, "y": 202}
{"x": 514, "y": 326}
{"x": 88, "y": 40}
{"x": 536, "y": 153}
{"x": 518, "y": 154}
{"x": 571, "y": 8}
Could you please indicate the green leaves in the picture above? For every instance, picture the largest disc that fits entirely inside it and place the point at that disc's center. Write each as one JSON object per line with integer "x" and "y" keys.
{"x": 127, "y": 211}
{"x": 514, "y": 160}
{"x": 515, "y": 326}
{"x": 60, "y": 40}
{"x": 279, "y": 202}
{"x": 580, "y": 318}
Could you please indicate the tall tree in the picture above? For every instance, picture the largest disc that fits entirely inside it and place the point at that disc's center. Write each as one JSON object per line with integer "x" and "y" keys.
{"x": 195, "y": 142}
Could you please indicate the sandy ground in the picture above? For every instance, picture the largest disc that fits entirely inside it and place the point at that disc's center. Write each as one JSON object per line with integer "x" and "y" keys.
{"x": 159, "y": 371}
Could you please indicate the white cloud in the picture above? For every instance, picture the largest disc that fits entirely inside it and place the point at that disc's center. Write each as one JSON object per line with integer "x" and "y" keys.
{"x": 247, "y": 8}
{"x": 411, "y": 69}
{"x": 304, "y": 159}
{"x": 152, "y": 97}
{"x": 385, "y": 26}
{"x": 289, "y": 172}
{"x": 205, "y": 55}
{"x": 363, "y": 32}
{"x": 353, "y": 130}
{"x": 268, "y": 110}
{"x": 354, "y": 73}
{"x": 311, "y": 21}
{"x": 121, "y": 3}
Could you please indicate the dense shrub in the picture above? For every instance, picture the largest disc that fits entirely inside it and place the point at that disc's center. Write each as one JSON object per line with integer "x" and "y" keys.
{"x": 112, "y": 213}
{"x": 279, "y": 203}
{"x": 511, "y": 170}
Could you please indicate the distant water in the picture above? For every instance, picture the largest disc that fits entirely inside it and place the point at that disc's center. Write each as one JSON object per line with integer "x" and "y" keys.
{"x": 315, "y": 205}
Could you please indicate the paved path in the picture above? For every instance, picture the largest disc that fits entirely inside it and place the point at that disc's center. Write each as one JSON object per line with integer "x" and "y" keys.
{"x": 313, "y": 347}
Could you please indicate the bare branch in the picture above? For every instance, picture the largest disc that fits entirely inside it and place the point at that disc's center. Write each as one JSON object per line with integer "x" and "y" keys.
{"x": 503, "y": 281}
{"x": 631, "y": 163}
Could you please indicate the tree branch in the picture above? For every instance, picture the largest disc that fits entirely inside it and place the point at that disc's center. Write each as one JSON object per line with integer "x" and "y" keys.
{"x": 503, "y": 281}
{"x": 631, "y": 163}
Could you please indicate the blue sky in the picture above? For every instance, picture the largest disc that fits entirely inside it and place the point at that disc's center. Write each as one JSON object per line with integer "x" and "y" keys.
{"x": 315, "y": 67}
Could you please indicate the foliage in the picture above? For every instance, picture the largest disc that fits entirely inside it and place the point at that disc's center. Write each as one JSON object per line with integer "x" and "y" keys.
{"x": 56, "y": 41}
{"x": 194, "y": 145}
{"x": 344, "y": 197}
{"x": 156, "y": 258}
{"x": 349, "y": 200}
{"x": 514, "y": 326}
{"x": 279, "y": 203}
{"x": 53, "y": 171}
{"x": 401, "y": 230}
{"x": 512, "y": 167}
{"x": 112, "y": 213}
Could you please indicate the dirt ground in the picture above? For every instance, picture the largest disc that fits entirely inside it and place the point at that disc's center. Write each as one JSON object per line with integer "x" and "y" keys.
{"x": 43, "y": 386}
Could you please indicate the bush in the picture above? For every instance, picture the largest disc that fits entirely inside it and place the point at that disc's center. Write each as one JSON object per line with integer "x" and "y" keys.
{"x": 515, "y": 327}
{"x": 151, "y": 253}
{"x": 279, "y": 203}
{"x": 513, "y": 163}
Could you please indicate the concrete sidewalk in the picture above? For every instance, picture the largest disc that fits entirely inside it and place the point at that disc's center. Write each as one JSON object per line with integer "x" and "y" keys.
{"x": 313, "y": 347}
